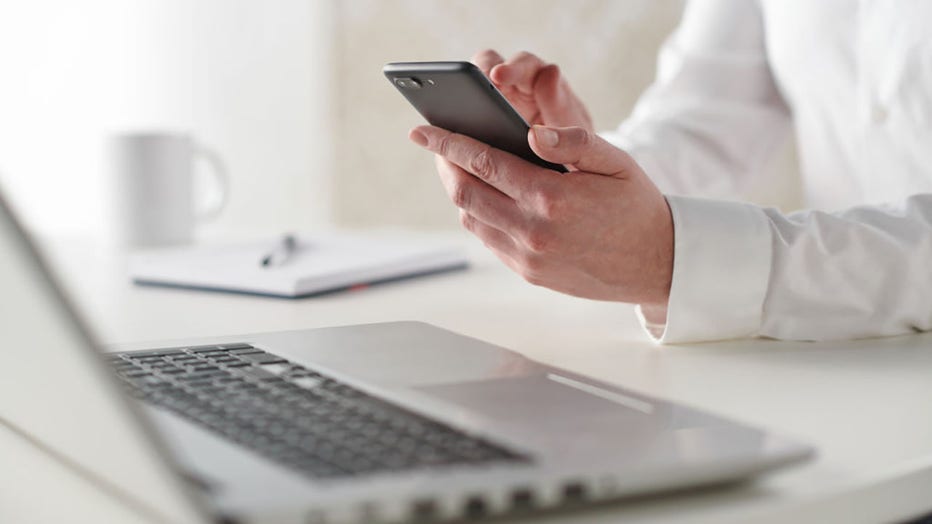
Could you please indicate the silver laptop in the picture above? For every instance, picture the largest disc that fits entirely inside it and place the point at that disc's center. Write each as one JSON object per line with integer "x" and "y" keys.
{"x": 387, "y": 422}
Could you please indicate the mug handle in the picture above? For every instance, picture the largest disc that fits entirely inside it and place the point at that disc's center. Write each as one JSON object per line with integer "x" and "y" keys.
{"x": 221, "y": 177}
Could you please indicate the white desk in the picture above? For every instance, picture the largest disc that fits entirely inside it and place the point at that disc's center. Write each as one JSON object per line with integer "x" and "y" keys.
{"x": 866, "y": 405}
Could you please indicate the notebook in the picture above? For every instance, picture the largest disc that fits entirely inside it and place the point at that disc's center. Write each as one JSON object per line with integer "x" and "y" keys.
{"x": 320, "y": 263}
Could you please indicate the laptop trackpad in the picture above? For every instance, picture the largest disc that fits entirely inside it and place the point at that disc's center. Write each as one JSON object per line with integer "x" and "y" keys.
{"x": 550, "y": 406}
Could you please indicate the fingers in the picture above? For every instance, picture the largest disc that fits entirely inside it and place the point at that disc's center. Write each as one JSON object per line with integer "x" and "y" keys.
{"x": 519, "y": 71}
{"x": 509, "y": 174}
{"x": 498, "y": 242}
{"x": 541, "y": 85}
{"x": 507, "y": 249}
{"x": 559, "y": 107}
{"x": 580, "y": 148}
{"x": 477, "y": 198}
{"x": 493, "y": 238}
{"x": 486, "y": 59}
{"x": 550, "y": 98}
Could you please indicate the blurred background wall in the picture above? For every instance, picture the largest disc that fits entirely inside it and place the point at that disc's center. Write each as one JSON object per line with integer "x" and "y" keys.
{"x": 242, "y": 76}
{"x": 607, "y": 49}
{"x": 290, "y": 92}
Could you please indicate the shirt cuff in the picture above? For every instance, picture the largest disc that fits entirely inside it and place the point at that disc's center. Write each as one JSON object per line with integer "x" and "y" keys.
{"x": 721, "y": 268}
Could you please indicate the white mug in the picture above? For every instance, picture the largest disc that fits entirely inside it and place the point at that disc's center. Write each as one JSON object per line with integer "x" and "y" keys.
{"x": 152, "y": 177}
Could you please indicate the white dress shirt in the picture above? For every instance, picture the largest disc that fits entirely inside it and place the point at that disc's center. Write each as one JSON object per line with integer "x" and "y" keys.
{"x": 854, "y": 80}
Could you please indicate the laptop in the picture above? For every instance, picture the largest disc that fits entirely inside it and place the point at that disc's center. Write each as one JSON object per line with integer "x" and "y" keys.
{"x": 394, "y": 422}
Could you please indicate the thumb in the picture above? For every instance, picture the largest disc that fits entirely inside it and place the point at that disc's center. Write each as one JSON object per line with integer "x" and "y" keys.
{"x": 581, "y": 149}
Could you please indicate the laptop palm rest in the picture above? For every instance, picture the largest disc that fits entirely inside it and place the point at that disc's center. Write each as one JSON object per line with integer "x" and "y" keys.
{"x": 549, "y": 408}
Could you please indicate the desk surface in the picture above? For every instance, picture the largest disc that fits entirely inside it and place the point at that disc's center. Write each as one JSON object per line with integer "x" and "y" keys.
{"x": 866, "y": 405}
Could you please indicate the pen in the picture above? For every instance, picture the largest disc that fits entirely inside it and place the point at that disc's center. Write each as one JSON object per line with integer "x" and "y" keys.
{"x": 280, "y": 253}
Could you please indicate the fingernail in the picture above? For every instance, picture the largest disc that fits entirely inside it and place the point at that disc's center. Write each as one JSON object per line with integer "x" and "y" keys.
{"x": 418, "y": 137}
{"x": 546, "y": 136}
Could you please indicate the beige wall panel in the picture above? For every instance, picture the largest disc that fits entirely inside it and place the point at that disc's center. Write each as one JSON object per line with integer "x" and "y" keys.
{"x": 607, "y": 49}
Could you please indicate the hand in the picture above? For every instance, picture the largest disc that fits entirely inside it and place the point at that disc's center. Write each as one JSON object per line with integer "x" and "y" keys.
{"x": 603, "y": 232}
{"x": 536, "y": 89}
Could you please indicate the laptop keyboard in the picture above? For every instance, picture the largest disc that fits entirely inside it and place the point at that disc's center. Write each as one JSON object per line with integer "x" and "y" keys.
{"x": 295, "y": 416}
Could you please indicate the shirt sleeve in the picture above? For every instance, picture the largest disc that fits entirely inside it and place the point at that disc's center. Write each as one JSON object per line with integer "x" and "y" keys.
{"x": 709, "y": 123}
{"x": 811, "y": 275}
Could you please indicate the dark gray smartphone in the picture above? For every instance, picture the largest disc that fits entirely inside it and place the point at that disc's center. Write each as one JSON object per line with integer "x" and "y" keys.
{"x": 458, "y": 97}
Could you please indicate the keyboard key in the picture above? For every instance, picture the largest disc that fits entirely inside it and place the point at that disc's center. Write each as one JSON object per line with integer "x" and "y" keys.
{"x": 245, "y": 351}
{"x": 306, "y": 382}
{"x": 257, "y": 373}
{"x": 262, "y": 358}
{"x": 237, "y": 345}
{"x": 213, "y": 354}
{"x": 201, "y": 383}
{"x": 154, "y": 353}
{"x": 206, "y": 349}
{"x": 277, "y": 368}
{"x": 151, "y": 380}
{"x": 296, "y": 417}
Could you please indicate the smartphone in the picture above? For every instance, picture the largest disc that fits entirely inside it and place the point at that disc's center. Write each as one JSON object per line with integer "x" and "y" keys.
{"x": 458, "y": 97}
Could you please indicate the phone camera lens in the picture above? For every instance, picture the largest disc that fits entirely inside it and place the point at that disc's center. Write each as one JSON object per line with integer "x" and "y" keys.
{"x": 406, "y": 82}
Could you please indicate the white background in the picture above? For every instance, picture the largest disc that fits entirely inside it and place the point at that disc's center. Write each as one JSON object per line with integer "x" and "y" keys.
{"x": 248, "y": 78}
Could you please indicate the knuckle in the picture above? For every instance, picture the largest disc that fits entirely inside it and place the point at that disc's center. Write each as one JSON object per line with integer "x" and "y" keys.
{"x": 538, "y": 240}
{"x": 486, "y": 54}
{"x": 525, "y": 261}
{"x": 467, "y": 221}
{"x": 460, "y": 194}
{"x": 534, "y": 280}
{"x": 444, "y": 144}
{"x": 482, "y": 164}
{"x": 548, "y": 203}
{"x": 532, "y": 275}
{"x": 525, "y": 55}
{"x": 549, "y": 209}
{"x": 531, "y": 62}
